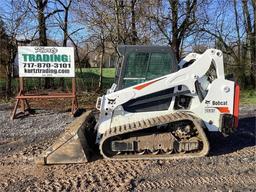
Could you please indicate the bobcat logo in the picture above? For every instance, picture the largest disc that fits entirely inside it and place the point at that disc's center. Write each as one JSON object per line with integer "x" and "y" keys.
{"x": 111, "y": 101}
{"x": 207, "y": 102}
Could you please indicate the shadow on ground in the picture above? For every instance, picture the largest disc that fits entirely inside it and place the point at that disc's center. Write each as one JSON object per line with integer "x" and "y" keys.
{"x": 245, "y": 136}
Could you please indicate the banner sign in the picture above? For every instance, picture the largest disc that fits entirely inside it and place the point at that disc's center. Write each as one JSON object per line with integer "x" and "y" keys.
{"x": 46, "y": 61}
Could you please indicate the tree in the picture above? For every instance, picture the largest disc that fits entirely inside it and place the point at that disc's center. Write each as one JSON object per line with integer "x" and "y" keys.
{"x": 134, "y": 37}
{"x": 219, "y": 30}
{"x": 40, "y": 6}
{"x": 4, "y": 58}
{"x": 64, "y": 27}
{"x": 11, "y": 26}
{"x": 250, "y": 38}
{"x": 233, "y": 33}
{"x": 174, "y": 20}
{"x": 124, "y": 21}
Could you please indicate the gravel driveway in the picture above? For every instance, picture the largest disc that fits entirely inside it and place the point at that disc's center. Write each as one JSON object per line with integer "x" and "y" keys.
{"x": 230, "y": 166}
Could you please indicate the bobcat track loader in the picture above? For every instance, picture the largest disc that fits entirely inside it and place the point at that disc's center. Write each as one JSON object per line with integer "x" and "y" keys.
{"x": 157, "y": 109}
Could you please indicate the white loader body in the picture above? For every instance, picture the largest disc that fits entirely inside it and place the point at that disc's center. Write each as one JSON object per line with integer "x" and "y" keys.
{"x": 218, "y": 98}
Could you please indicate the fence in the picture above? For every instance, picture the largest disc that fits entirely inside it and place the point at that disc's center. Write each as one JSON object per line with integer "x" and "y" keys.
{"x": 86, "y": 80}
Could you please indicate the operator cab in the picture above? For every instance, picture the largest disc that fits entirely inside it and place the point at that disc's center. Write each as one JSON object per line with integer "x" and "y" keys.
{"x": 137, "y": 64}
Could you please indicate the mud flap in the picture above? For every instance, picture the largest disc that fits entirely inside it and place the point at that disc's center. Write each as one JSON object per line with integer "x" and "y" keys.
{"x": 72, "y": 146}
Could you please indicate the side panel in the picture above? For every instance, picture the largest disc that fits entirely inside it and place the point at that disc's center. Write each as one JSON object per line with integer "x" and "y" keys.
{"x": 157, "y": 101}
{"x": 218, "y": 101}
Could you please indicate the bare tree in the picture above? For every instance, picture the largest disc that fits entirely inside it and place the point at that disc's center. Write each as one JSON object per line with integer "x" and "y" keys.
{"x": 134, "y": 37}
{"x": 233, "y": 33}
{"x": 237, "y": 32}
{"x": 5, "y": 57}
{"x": 42, "y": 17}
{"x": 177, "y": 23}
{"x": 123, "y": 21}
{"x": 102, "y": 43}
{"x": 64, "y": 26}
{"x": 251, "y": 38}
{"x": 11, "y": 26}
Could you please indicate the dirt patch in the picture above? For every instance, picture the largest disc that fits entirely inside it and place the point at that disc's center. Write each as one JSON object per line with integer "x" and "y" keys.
{"x": 229, "y": 166}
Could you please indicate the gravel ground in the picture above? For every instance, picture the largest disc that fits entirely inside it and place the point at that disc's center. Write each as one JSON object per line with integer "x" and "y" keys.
{"x": 230, "y": 165}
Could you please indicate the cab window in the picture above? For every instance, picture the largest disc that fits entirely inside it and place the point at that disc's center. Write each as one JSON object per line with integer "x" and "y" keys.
{"x": 159, "y": 65}
{"x": 141, "y": 67}
{"x": 136, "y": 67}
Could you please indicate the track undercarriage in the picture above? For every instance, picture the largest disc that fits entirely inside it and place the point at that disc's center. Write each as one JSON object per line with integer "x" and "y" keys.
{"x": 177, "y": 135}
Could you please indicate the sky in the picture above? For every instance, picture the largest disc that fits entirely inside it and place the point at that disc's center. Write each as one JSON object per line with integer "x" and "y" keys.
{"x": 55, "y": 32}
{"x": 30, "y": 27}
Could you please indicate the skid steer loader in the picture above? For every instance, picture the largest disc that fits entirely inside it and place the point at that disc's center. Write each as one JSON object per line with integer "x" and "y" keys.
{"x": 157, "y": 109}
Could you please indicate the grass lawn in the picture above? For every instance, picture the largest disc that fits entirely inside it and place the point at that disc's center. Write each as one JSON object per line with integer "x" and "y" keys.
{"x": 248, "y": 97}
{"x": 89, "y": 78}
{"x": 107, "y": 72}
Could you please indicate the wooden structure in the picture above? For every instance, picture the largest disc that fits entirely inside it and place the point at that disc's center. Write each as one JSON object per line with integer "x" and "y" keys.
{"x": 22, "y": 98}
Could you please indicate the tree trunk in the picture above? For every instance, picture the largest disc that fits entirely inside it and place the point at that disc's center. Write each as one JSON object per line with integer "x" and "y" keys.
{"x": 102, "y": 63}
{"x": 238, "y": 33}
{"x": 101, "y": 70}
{"x": 175, "y": 41}
{"x": 12, "y": 48}
{"x": 41, "y": 23}
{"x": 8, "y": 84}
{"x": 239, "y": 70}
{"x": 65, "y": 39}
{"x": 134, "y": 31}
{"x": 253, "y": 59}
{"x": 42, "y": 34}
{"x": 123, "y": 21}
{"x": 251, "y": 42}
{"x": 117, "y": 20}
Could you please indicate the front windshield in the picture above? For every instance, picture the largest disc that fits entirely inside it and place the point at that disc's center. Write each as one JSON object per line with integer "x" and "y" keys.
{"x": 144, "y": 66}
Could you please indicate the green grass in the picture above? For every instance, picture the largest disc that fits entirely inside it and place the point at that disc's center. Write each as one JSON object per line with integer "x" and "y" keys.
{"x": 107, "y": 72}
{"x": 89, "y": 78}
{"x": 248, "y": 97}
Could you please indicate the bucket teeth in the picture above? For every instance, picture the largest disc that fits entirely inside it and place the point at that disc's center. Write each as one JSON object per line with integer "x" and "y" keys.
{"x": 72, "y": 146}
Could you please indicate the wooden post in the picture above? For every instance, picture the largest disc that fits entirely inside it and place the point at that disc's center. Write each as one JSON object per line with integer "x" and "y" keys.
{"x": 74, "y": 99}
{"x": 22, "y": 103}
{"x": 15, "y": 108}
{"x": 19, "y": 101}
{"x": 22, "y": 99}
